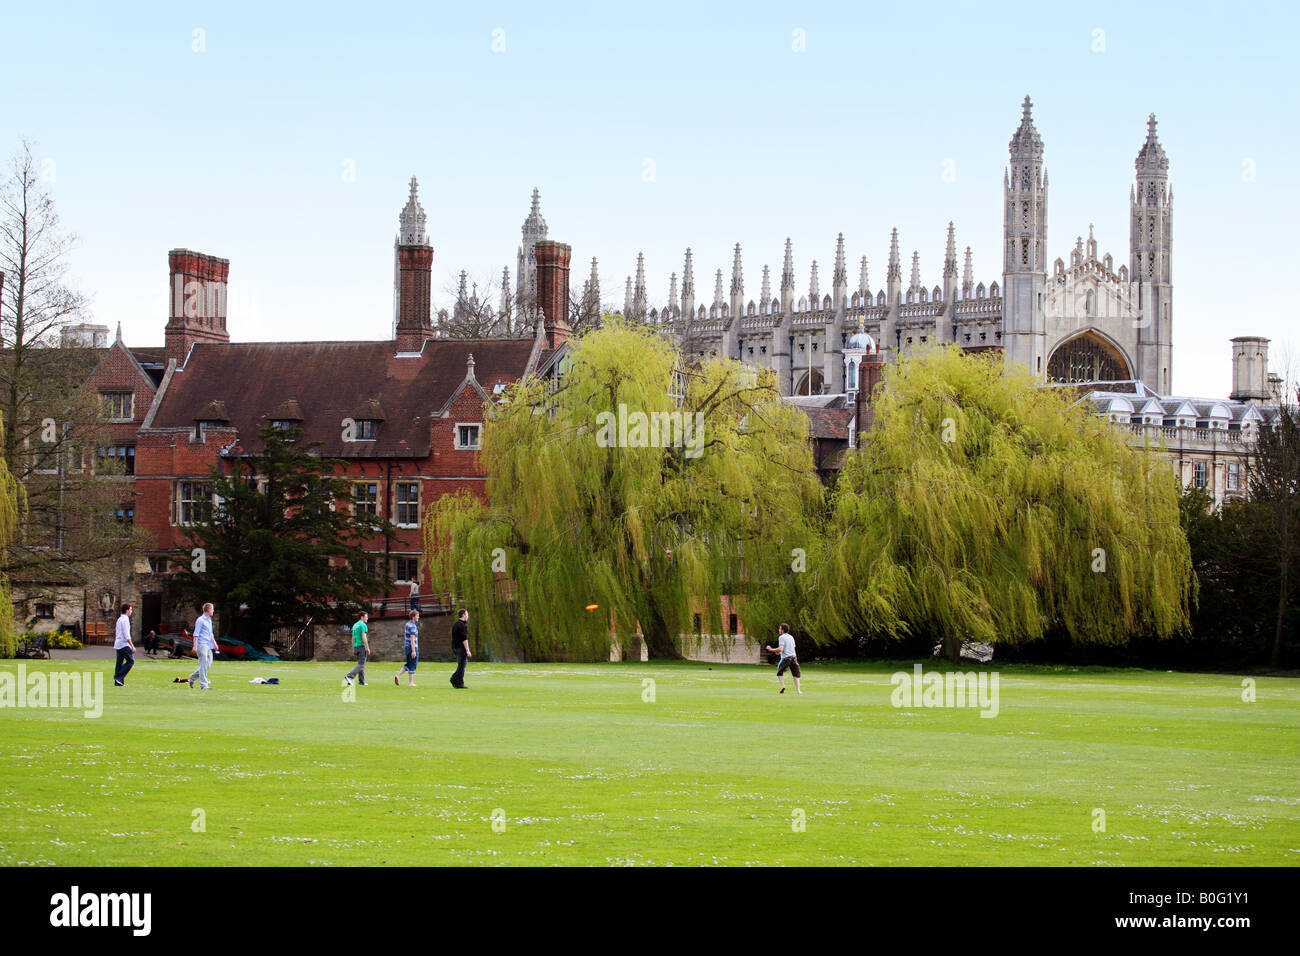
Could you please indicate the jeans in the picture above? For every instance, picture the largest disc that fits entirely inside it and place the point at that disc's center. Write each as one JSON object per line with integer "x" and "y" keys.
{"x": 458, "y": 678}
{"x": 360, "y": 669}
{"x": 125, "y": 661}
{"x": 205, "y": 661}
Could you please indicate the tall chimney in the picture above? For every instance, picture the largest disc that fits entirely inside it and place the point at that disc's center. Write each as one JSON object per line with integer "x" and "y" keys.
{"x": 414, "y": 276}
{"x": 198, "y": 302}
{"x": 553, "y": 289}
{"x": 1249, "y": 369}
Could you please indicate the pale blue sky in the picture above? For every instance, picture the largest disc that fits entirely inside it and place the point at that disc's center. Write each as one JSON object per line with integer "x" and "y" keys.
{"x": 239, "y": 150}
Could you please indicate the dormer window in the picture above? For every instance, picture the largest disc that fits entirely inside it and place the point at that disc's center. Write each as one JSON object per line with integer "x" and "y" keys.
{"x": 286, "y": 416}
{"x": 366, "y": 421}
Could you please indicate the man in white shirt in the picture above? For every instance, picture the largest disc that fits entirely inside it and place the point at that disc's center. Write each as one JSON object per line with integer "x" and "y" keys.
{"x": 124, "y": 647}
{"x": 785, "y": 647}
{"x": 205, "y": 645}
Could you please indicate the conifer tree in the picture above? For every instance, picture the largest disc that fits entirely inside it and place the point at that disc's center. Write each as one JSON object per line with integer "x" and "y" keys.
{"x": 281, "y": 543}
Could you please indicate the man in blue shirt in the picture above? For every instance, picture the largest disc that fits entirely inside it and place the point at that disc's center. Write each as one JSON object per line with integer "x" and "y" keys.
{"x": 205, "y": 645}
{"x": 410, "y": 650}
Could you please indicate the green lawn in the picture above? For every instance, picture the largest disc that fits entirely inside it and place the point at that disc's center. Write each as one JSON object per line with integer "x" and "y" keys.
{"x": 713, "y": 771}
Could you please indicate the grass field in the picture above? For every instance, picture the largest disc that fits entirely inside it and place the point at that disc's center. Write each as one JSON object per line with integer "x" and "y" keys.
{"x": 578, "y": 768}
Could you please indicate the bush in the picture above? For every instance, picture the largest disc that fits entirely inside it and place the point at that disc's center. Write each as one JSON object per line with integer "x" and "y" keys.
{"x": 64, "y": 641}
{"x": 8, "y": 645}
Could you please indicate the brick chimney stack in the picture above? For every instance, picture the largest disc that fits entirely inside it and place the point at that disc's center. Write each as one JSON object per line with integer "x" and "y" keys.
{"x": 414, "y": 276}
{"x": 553, "y": 289}
{"x": 197, "y": 310}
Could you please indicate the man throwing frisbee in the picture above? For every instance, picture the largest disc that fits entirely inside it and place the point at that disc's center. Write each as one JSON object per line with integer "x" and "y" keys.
{"x": 785, "y": 647}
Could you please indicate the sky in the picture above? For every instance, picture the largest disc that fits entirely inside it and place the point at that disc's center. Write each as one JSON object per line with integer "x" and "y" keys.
{"x": 283, "y": 138}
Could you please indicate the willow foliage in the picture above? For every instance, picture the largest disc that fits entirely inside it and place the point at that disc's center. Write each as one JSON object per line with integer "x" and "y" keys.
{"x": 652, "y": 519}
{"x": 10, "y": 493}
{"x": 983, "y": 506}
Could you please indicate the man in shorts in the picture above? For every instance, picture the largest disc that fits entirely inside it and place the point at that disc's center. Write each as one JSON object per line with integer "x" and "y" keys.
{"x": 410, "y": 650}
{"x": 785, "y": 647}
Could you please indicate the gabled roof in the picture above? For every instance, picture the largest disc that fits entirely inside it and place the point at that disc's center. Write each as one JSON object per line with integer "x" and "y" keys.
{"x": 828, "y": 422}
{"x": 331, "y": 381}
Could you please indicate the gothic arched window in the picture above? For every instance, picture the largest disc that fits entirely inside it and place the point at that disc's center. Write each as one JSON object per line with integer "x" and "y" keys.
{"x": 1087, "y": 358}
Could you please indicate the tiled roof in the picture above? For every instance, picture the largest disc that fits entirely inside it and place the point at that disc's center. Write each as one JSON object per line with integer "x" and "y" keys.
{"x": 331, "y": 381}
{"x": 828, "y": 422}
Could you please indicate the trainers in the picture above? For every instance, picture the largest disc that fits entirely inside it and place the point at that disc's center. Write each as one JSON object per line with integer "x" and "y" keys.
{"x": 396, "y": 681}
{"x": 348, "y": 681}
{"x": 781, "y": 691}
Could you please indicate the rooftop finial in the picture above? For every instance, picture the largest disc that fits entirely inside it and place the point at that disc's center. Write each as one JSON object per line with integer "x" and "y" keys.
{"x": 411, "y": 222}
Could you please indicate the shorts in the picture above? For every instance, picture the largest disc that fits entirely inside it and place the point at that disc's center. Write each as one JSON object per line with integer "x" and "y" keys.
{"x": 410, "y": 660}
{"x": 788, "y": 663}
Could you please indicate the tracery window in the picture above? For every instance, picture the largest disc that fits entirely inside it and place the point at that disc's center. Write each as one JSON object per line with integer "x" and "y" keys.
{"x": 1086, "y": 358}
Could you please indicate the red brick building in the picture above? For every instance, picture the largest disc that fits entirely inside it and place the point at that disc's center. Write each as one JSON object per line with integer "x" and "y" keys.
{"x": 405, "y": 414}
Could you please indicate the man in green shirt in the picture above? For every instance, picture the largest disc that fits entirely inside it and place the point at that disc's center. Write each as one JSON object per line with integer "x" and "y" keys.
{"x": 361, "y": 647}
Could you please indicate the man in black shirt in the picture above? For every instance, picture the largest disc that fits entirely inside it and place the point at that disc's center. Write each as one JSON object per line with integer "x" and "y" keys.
{"x": 460, "y": 646}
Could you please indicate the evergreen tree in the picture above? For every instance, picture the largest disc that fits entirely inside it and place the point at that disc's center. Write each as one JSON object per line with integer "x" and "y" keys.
{"x": 583, "y": 511}
{"x": 1274, "y": 490}
{"x": 983, "y": 506}
{"x": 282, "y": 543}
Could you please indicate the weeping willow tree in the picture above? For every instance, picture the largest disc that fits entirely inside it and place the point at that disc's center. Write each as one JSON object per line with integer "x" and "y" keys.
{"x": 9, "y": 497}
{"x": 983, "y": 506}
{"x": 653, "y": 493}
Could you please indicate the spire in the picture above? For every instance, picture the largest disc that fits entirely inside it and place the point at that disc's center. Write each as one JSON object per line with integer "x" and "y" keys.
{"x": 841, "y": 274}
{"x": 916, "y": 272}
{"x": 1026, "y": 143}
{"x": 672, "y": 292}
{"x": 535, "y": 226}
{"x": 812, "y": 288}
{"x": 737, "y": 281}
{"x": 638, "y": 287}
{"x": 967, "y": 274}
{"x": 950, "y": 255}
{"x": 895, "y": 273}
{"x": 627, "y": 297}
{"x": 505, "y": 289}
{"x": 765, "y": 297}
{"x": 787, "y": 270}
{"x": 410, "y": 224}
{"x": 863, "y": 286}
{"x": 717, "y": 292}
{"x": 593, "y": 286}
{"x": 688, "y": 279}
{"x": 118, "y": 339}
{"x": 1151, "y": 157}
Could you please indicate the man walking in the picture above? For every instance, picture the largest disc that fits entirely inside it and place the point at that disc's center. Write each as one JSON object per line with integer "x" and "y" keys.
{"x": 124, "y": 647}
{"x": 361, "y": 647}
{"x": 460, "y": 646}
{"x": 785, "y": 646}
{"x": 410, "y": 650}
{"x": 205, "y": 645}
